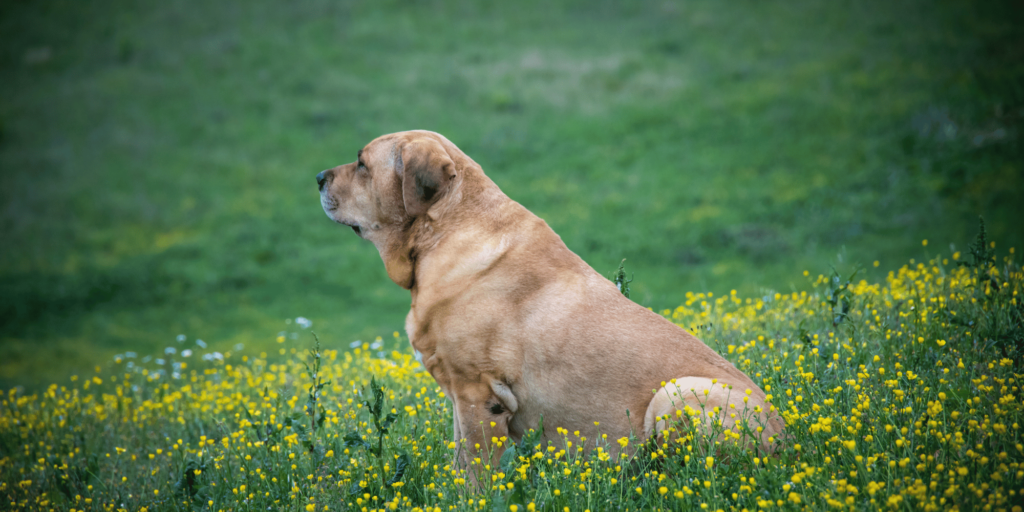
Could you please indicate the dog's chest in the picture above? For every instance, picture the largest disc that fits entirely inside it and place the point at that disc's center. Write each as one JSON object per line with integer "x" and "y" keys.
{"x": 421, "y": 340}
{"x": 416, "y": 336}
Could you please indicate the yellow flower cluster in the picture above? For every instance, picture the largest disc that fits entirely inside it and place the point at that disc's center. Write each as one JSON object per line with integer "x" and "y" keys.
{"x": 896, "y": 395}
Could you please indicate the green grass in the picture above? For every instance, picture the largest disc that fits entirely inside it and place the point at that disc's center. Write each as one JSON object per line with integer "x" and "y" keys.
{"x": 158, "y": 158}
{"x": 898, "y": 394}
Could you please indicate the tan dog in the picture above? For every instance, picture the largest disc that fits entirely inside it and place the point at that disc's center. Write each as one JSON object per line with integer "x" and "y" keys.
{"x": 511, "y": 323}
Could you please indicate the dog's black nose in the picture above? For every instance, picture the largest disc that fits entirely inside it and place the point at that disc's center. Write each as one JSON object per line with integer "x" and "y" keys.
{"x": 321, "y": 178}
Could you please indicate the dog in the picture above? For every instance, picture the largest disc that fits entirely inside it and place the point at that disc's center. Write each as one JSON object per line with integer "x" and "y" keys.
{"x": 514, "y": 326}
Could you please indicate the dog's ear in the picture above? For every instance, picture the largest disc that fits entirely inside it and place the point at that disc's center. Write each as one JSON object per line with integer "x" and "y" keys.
{"x": 426, "y": 171}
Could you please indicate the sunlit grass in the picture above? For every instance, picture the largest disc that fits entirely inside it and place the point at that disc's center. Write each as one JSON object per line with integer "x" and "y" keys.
{"x": 902, "y": 394}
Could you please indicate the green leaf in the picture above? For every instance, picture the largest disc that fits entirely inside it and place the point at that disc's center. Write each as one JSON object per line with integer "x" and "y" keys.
{"x": 391, "y": 417}
{"x": 323, "y": 417}
{"x": 378, "y": 397}
{"x": 400, "y": 466}
{"x": 508, "y": 460}
{"x": 188, "y": 484}
{"x": 620, "y": 279}
{"x": 353, "y": 439}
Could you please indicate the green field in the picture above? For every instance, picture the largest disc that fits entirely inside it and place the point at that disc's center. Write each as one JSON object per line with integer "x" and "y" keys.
{"x": 157, "y": 158}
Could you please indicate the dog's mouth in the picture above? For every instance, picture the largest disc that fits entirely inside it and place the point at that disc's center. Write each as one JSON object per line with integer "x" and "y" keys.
{"x": 355, "y": 227}
{"x": 330, "y": 207}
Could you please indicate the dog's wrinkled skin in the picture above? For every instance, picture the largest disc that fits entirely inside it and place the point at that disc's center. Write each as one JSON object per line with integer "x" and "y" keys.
{"x": 510, "y": 322}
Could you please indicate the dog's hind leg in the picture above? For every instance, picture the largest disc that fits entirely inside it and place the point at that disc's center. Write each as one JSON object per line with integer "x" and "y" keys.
{"x": 718, "y": 409}
{"x": 483, "y": 409}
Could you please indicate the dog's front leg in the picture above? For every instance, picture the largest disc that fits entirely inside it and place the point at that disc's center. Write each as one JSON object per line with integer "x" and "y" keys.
{"x": 482, "y": 411}
{"x": 456, "y": 434}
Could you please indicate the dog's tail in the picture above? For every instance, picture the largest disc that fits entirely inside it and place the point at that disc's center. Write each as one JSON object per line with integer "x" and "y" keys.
{"x": 728, "y": 413}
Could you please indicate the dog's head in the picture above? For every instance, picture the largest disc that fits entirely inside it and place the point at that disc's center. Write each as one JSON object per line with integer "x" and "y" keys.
{"x": 395, "y": 179}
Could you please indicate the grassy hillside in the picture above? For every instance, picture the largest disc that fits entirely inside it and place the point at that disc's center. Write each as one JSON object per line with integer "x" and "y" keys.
{"x": 903, "y": 394}
{"x": 158, "y": 157}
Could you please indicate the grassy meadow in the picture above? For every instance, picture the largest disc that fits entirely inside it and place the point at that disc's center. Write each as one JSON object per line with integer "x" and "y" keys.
{"x": 158, "y": 158}
{"x": 898, "y": 394}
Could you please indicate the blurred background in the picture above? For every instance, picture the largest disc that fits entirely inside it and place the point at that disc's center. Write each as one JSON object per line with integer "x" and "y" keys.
{"x": 158, "y": 158}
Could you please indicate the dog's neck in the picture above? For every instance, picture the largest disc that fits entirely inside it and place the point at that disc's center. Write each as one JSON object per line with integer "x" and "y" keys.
{"x": 471, "y": 191}
{"x": 399, "y": 261}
